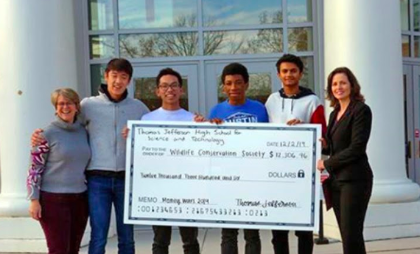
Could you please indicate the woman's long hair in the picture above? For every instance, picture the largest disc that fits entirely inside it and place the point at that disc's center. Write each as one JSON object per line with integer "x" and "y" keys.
{"x": 355, "y": 94}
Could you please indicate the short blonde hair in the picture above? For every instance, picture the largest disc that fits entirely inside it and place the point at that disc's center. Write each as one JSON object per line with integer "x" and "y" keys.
{"x": 69, "y": 94}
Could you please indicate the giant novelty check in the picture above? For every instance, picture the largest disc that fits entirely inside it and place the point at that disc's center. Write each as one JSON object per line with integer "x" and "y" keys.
{"x": 230, "y": 175}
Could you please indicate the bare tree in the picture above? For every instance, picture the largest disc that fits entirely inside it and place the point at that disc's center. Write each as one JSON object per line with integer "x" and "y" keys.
{"x": 126, "y": 48}
{"x": 268, "y": 40}
{"x": 299, "y": 38}
{"x": 212, "y": 41}
{"x": 171, "y": 44}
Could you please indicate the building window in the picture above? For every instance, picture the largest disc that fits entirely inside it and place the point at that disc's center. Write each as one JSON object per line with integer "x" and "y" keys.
{"x": 410, "y": 27}
{"x": 158, "y": 44}
{"x": 154, "y": 32}
{"x": 100, "y": 15}
{"x": 147, "y": 14}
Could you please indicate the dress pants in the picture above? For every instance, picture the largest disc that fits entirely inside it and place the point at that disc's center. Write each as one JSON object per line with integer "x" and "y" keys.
{"x": 162, "y": 239}
{"x": 350, "y": 201}
{"x": 280, "y": 241}
{"x": 230, "y": 241}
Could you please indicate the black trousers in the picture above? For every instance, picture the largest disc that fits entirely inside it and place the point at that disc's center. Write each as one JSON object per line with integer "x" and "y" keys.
{"x": 280, "y": 241}
{"x": 350, "y": 201}
{"x": 162, "y": 239}
{"x": 230, "y": 241}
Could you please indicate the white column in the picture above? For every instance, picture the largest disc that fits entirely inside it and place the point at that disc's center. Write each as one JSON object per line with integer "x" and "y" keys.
{"x": 366, "y": 37}
{"x": 38, "y": 55}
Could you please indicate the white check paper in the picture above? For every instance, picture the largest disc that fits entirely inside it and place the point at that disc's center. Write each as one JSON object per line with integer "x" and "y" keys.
{"x": 260, "y": 176}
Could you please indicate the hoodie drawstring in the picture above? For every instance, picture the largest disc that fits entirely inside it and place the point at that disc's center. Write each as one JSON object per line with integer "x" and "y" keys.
{"x": 291, "y": 105}
{"x": 282, "y": 104}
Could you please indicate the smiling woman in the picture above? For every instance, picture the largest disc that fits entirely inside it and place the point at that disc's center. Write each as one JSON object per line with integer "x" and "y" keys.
{"x": 61, "y": 205}
{"x": 345, "y": 142}
{"x": 66, "y": 103}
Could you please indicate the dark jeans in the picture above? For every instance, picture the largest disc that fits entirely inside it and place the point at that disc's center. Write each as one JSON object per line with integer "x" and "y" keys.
{"x": 230, "y": 241}
{"x": 162, "y": 239}
{"x": 280, "y": 241}
{"x": 350, "y": 201}
{"x": 63, "y": 219}
{"x": 104, "y": 191}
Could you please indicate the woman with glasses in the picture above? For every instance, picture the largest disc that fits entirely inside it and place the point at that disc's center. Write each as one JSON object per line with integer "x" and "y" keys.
{"x": 56, "y": 180}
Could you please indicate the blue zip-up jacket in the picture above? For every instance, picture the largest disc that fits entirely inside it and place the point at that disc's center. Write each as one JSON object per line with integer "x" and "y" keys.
{"x": 104, "y": 121}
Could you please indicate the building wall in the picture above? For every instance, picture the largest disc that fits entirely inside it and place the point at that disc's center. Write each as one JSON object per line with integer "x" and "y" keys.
{"x": 47, "y": 47}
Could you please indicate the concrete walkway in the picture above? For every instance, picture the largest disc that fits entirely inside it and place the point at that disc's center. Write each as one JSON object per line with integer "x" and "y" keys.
{"x": 210, "y": 244}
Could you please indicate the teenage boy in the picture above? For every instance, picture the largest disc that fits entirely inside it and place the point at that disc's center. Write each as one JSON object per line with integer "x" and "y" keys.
{"x": 293, "y": 104}
{"x": 238, "y": 108}
{"x": 169, "y": 90}
{"x": 105, "y": 116}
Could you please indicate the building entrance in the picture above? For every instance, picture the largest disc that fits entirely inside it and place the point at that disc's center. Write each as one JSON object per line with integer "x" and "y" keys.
{"x": 411, "y": 78}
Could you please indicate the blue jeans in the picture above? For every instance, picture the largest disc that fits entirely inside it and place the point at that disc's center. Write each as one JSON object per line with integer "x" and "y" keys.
{"x": 102, "y": 193}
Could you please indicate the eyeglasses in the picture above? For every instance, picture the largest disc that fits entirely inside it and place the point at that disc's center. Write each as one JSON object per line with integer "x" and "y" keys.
{"x": 62, "y": 104}
{"x": 165, "y": 87}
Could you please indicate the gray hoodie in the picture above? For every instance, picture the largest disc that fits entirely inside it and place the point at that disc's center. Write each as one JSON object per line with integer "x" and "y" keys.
{"x": 104, "y": 120}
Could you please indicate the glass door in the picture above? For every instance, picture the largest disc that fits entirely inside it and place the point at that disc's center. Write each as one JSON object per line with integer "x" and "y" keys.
{"x": 411, "y": 82}
{"x": 143, "y": 85}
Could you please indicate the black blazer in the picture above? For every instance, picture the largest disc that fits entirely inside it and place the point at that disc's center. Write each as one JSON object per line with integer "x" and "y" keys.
{"x": 347, "y": 140}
